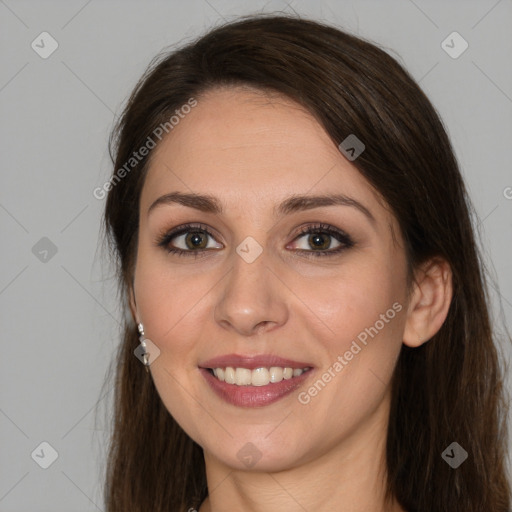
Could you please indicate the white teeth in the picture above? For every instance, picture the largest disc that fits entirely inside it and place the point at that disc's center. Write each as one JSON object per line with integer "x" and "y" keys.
{"x": 258, "y": 376}
{"x": 229, "y": 375}
{"x": 276, "y": 374}
{"x": 242, "y": 377}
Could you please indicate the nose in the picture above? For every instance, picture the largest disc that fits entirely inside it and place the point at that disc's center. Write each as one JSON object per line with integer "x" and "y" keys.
{"x": 252, "y": 299}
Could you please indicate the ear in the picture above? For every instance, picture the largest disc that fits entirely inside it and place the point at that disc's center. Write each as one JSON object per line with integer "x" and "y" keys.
{"x": 429, "y": 303}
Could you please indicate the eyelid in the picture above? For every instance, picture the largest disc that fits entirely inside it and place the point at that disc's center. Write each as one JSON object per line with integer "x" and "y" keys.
{"x": 185, "y": 228}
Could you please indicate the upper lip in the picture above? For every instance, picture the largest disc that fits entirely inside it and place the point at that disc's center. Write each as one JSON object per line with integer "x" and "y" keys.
{"x": 252, "y": 361}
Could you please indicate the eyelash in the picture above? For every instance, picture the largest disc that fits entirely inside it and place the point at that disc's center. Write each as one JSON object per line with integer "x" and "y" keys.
{"x": 346, "y": 241}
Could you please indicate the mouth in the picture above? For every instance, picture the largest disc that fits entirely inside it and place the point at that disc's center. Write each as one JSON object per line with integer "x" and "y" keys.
{"x": 254, "y": 381}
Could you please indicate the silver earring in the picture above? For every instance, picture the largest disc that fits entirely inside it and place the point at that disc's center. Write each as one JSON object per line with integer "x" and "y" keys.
{"x": 145, "y": 354}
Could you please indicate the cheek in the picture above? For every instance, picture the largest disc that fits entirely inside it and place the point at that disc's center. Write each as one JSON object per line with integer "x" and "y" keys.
{"x": 359, "y": 357}
{"x": 362, "y": 315}
{"x": 355, "y": 301}
{"x": 174, "y": 303}
{"x": 161, "y": 301}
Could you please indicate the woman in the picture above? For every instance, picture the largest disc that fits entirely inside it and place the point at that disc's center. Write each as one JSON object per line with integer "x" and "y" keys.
{"x": 295, "y": 246}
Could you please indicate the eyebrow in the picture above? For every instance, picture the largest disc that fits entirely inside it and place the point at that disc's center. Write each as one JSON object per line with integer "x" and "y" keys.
{"x": 294, "y": 203}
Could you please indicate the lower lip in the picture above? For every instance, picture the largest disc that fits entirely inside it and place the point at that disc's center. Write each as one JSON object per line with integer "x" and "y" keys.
{"x": 253, "y": 396}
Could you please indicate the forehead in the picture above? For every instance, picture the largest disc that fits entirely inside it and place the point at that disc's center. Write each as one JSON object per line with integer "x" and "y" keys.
{"x": 252, "y": 148}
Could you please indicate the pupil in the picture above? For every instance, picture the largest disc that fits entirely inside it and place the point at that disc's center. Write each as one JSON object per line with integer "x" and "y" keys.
{"x": 195, "y": 239}
{"x": 317, "y": 241}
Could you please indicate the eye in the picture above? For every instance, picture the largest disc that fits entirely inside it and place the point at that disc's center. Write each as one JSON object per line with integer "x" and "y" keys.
{"x": 320, "y": 238}
{"x": 191, "y": 239}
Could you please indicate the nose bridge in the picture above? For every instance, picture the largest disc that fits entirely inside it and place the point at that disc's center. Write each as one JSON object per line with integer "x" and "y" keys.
{"x": 250, "y": 296}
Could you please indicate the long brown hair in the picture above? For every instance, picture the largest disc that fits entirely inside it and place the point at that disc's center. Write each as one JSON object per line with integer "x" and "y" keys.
{"x": 450, "y": 388}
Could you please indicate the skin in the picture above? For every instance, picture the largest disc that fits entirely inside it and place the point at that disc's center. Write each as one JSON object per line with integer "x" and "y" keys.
{"x": 251, "y": 150}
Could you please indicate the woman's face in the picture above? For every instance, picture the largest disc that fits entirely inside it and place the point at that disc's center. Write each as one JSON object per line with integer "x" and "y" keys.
{"x": 259, "y": 288}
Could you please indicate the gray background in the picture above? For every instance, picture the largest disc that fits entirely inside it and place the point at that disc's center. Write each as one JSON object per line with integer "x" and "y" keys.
{"x": 59, "y": 315}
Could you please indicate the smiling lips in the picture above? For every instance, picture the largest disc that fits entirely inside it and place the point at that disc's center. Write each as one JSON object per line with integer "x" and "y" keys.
{"x": 253, "y": 381}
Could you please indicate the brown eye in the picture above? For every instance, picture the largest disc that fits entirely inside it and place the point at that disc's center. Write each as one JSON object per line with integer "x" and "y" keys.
{"x": 187, "y": 239}
{"x": 196, "y": 240}
{"x": 320, "y": 238}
